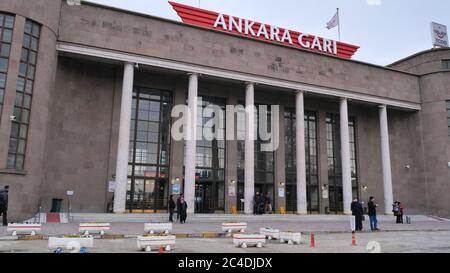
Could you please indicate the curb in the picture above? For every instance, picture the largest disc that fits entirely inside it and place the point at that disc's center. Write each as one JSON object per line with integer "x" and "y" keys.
{"x": 205, "y": 235}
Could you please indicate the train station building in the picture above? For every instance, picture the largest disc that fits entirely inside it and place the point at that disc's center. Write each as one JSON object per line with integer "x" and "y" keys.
{"x": 87, "y": 94}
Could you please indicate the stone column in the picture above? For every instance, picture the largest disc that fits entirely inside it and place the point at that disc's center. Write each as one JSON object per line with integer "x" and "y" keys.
{"x": 120, "y": 194}
{"x": 345, "y": 156}
{"x": 302, "y": 205}
{"x": 191, "y": 143}
{"x": 249, "y": 188}
{"x": 386, "y": 160}
{"x": 280, "y": 164}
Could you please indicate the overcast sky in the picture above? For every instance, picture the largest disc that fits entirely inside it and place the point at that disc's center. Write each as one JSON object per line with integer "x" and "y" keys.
{"x": 386, "y": 30}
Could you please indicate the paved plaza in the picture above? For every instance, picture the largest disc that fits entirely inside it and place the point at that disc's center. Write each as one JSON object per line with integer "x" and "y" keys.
{"x": 388, "y": 242}
{"x": 332, "y": 234}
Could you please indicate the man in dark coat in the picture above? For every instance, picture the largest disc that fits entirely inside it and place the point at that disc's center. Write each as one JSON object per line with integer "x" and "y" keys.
{"x": 179, "y": 206}
{"x": 358, "y": 212}
{"x": 256, "y": 203}
{"x": 372, "y": 206}
{"x": 183, "y": 213}
{"x": 4, "y": 204}
{"x": 172, "y": 207}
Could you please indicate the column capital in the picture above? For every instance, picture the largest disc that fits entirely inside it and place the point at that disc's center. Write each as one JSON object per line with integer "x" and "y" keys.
{"x": 344, "y": 99}
{"x": 300, "y": 92}
{"x": 249, "y": 83}
{"x": 193, "y": 74}
{"x": 382, "y": 106}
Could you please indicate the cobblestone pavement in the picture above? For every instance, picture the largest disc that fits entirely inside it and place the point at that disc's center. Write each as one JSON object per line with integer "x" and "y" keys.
{"x": 389, "y": 242}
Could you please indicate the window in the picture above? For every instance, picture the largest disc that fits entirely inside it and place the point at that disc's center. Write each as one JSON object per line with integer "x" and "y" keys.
{"x": 264, "y": 161}
{"x": 6, "y": 29}
{"x": 335, "y": 163}
{"x": 210, "y": 156}
{"x": 448, "y": 116}
{"x": 310, "y": 156}
{"x": 24, "y": 92}
{"x": 149, "y": 150}
{"x": 446, "y": 64}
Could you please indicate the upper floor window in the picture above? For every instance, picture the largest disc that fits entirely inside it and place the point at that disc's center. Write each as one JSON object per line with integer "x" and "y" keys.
{"x": 446, "y": 64}
{"x": 24, "y": 92}
{"x": 6, "y": 30}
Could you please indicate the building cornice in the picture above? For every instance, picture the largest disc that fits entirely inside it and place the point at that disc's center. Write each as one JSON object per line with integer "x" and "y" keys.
{"x": 226, "y": 74}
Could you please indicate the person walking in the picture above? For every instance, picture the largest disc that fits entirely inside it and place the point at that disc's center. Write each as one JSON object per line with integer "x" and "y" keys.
{"x": 179, "y": 206}
{"x": 4, "y": 204}
{"x": 255, "y": 203}
{"x": 183, "y": 214}
{"x": 400, "y": 213}
{"x": 261, "y": 204}
{"x": 373, "y": 214}
{"x": 172, "y": 207}
{"x": 358, "y": 212}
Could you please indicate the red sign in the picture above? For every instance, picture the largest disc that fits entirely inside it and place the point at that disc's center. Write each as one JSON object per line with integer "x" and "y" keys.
{"x": 268, "y": 33}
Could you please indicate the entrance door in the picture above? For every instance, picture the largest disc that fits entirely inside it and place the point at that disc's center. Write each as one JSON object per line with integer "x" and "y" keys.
{"x": 149, "y": 195}
{"x": 204, "y": 198}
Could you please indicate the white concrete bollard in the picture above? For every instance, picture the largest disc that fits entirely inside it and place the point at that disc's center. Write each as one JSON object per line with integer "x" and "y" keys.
{"x": 147, "y": 243}
{"x": 24, "y": 229}
{"x": 244, "y": 241}
{"x": 291, "y": 237}
{"x": 94, "y": 228}
{"x": 234, "y": 227}
{"x": 270, "y": 233}
{"x": 152, "y": 228}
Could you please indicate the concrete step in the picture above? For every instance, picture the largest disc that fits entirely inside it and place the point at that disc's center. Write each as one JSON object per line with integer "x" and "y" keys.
{"x": 211, "y": 218}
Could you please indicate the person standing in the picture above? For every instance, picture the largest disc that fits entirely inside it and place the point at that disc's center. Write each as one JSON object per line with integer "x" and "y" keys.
{"x": 172, "y": 207}
{"x": 183, "y": 214}
{"x": 373, "y": 214}
{"x": 358, "y": 212}
{"x": 400, "y": 213}
{"x": 255, "y": 203}
{"x": 179, "y": 206}
{"x": 261, "y": 204}
{"x": 4, "y": 204}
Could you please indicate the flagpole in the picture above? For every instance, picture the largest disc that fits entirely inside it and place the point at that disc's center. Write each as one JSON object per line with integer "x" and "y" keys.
{"x": 339, "y": 24}
{"x": 199, "y": 3}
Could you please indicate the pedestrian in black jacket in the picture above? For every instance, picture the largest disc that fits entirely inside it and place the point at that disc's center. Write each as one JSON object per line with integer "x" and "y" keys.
{"x": 179, "y": 206}
{"x": 372, "y": 206}
{"x": 183, "y": 213}
{"x": 172, "y": 207}
{"x": 4, "y": 204}
{"x": 358, "y": 212}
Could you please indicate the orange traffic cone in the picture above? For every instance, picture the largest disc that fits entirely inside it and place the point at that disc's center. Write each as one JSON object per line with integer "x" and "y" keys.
{"x": 313, "y": 241}
{"x": 353, "y": 238}
{"x": 161, "y": 249}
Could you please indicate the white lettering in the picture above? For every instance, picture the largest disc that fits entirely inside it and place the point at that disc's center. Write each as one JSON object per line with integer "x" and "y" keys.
{"x": 335, "y": 47}
{"x": 287, "y": 36}
{"x": 274, "y": 33}
{"x": 249, "y": 28}
{"x": 237, "y": 25}
{"x": 327, "y": 44}
{"x": 220, "y": 21}
{"x": 316, "y": 44}
{"x": 263, "y": 30}
{"x": 301, "y": 40}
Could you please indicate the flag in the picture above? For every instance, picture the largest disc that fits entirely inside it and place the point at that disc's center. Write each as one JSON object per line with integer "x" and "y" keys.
{"x": 334, "y": 22}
